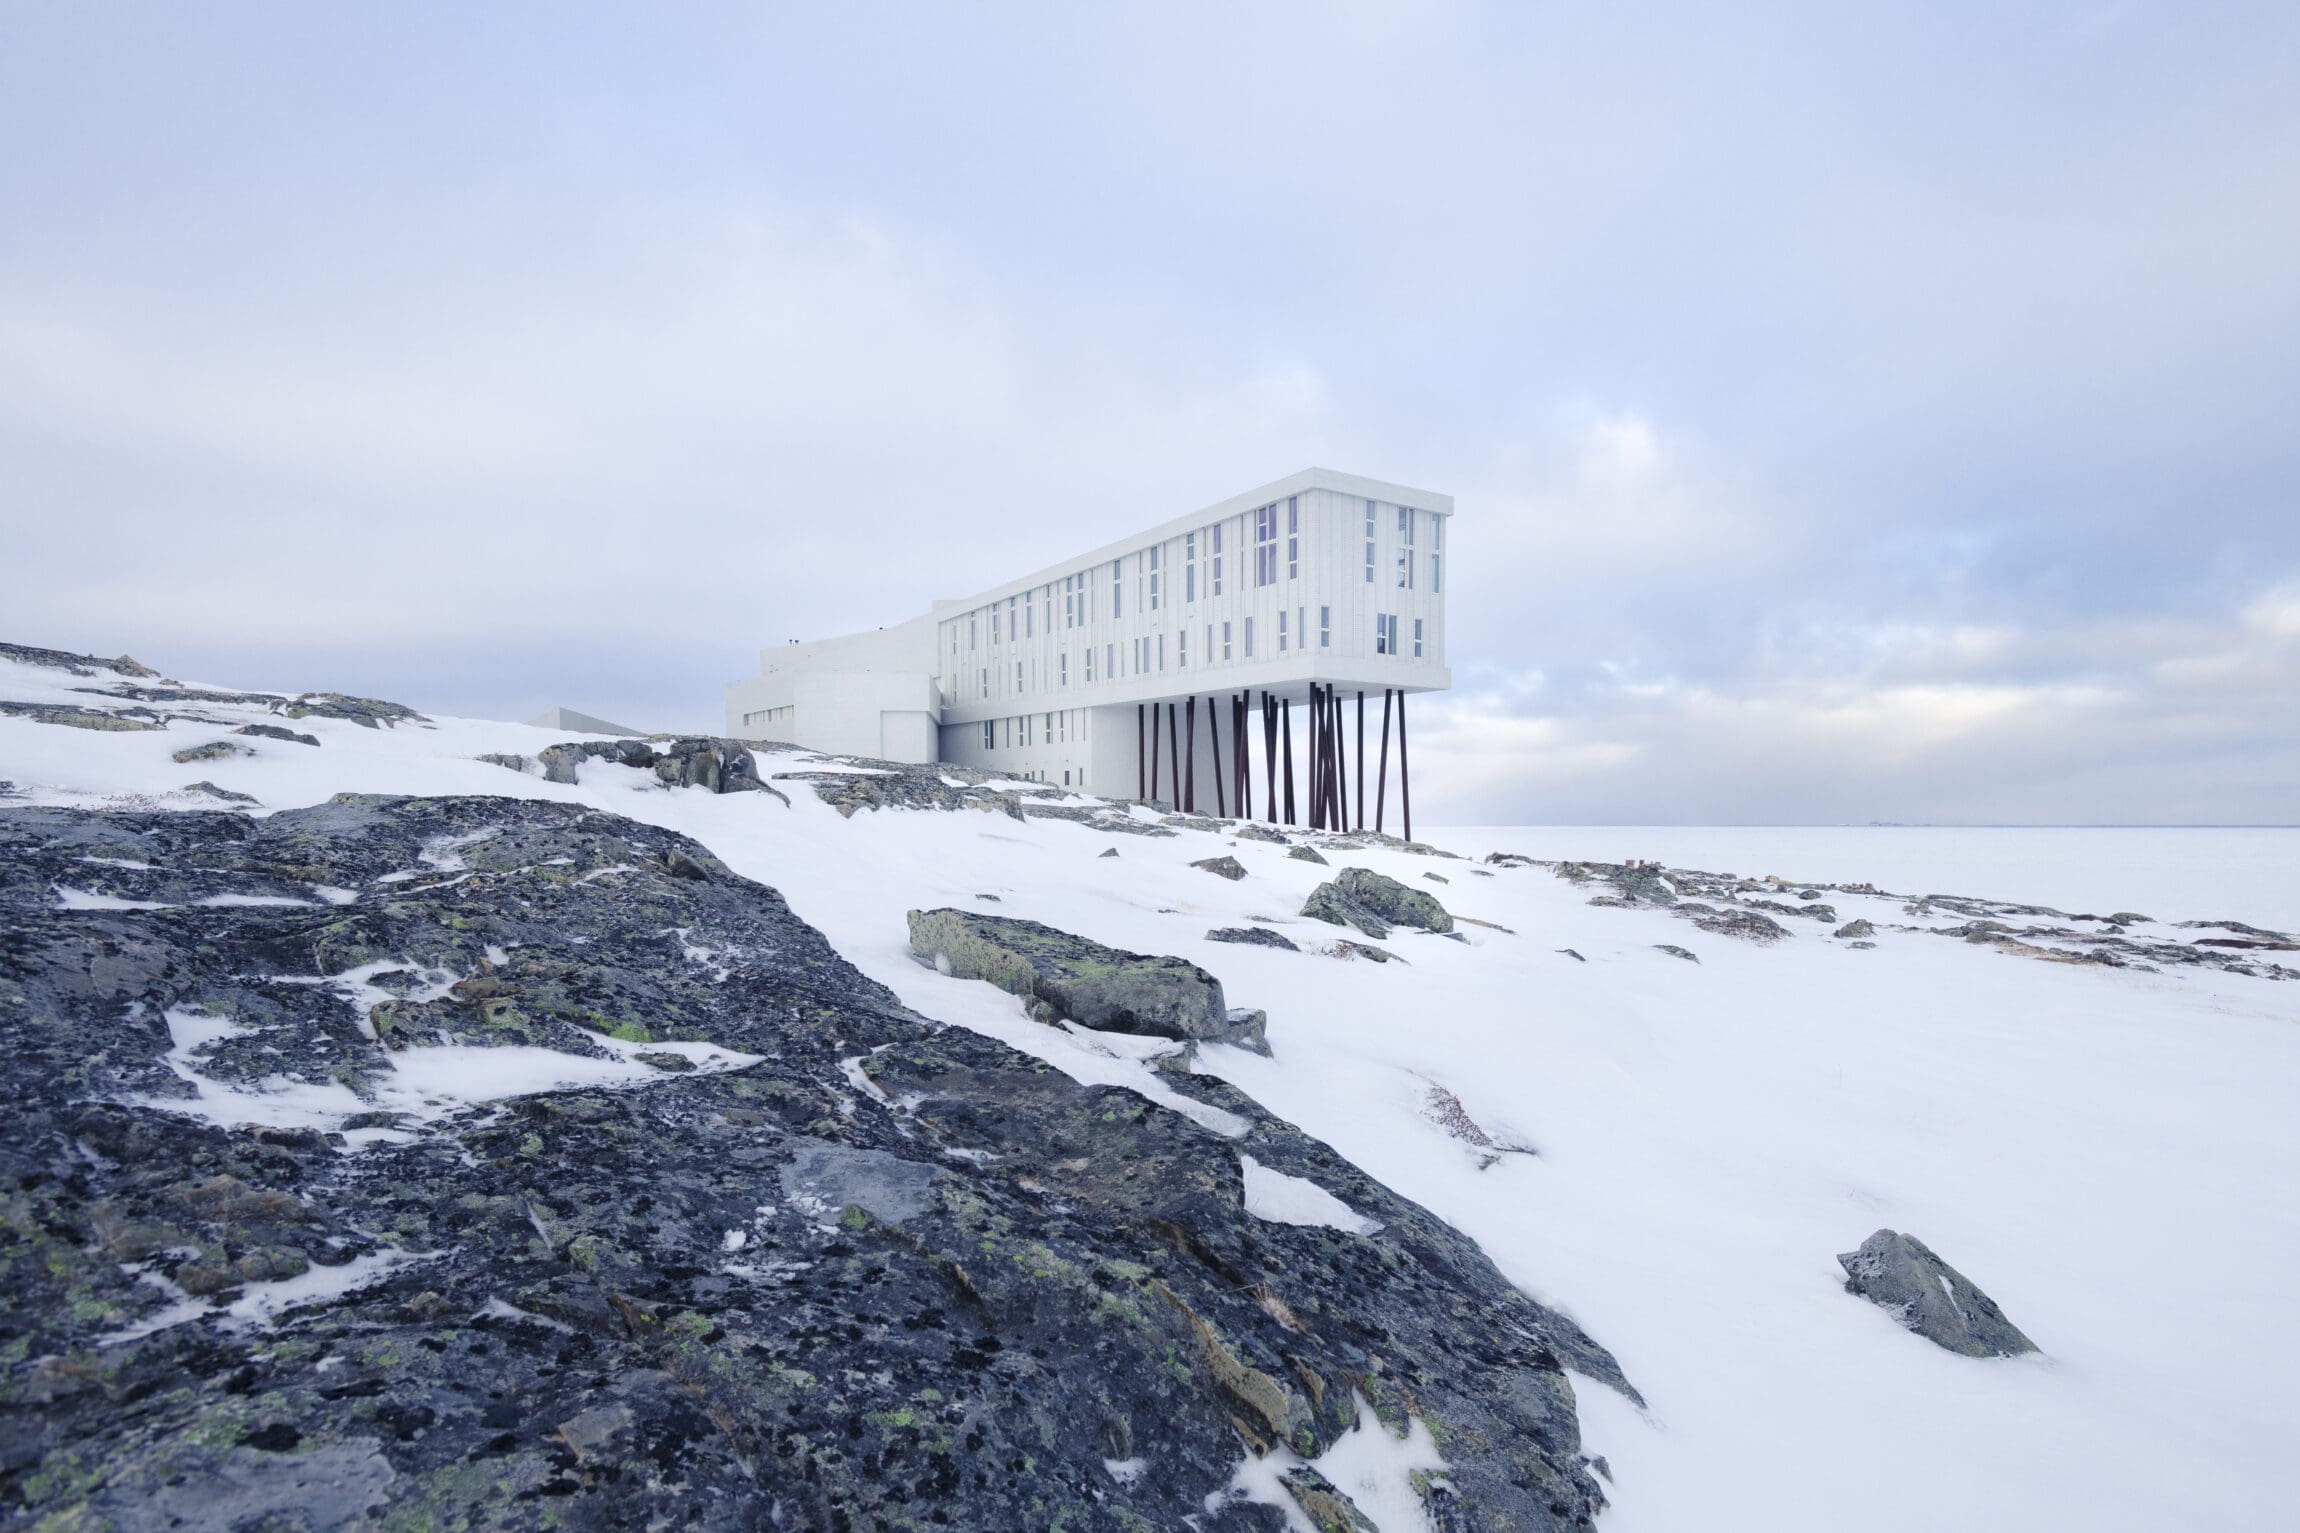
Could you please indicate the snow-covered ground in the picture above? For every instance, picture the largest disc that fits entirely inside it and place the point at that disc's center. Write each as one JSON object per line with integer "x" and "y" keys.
{"x": 2111, "y": 1153}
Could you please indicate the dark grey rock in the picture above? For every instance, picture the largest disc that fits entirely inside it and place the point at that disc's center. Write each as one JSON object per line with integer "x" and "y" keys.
{"x": 1222, "y": 867}
{"x": 275, "y": 732}
{"x": 80, "y": 718}
{"x": 1365, "y": 899}
{"x": 1674, "y": 951}
{"x": 367, "y": 712}
{"x": 1900, "y": 1274}
{"x": 78, "y": 665}
{"x": 1748, "y": 925}
{"x": 1255, "y": 830}
{"x": 1110, "y": 851}
{"x": 1307, "y": 854}
{"x": 1252, "y": 936}
{"x": 1856, "y": 928}
{"x": 1570, "y": 953}
{"x": 1365, "y": 950}
{"x": 2130, "y": 918}
{"x": 209, "y": 790}
{"x": 1065, "y": 977}
{"x": 1437, "y": 878}
{"x": 761, "y": 1297}
{"x": 214, "y": 750}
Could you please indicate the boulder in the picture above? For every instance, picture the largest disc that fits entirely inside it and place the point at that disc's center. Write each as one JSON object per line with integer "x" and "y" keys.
{"x": 214, "y": 750}
{"x": 209, "y": 790}
{"x": 275, "y": 732}
{"x": 1110, "y": 851}
{"x": 1254, "y": 830}
{"x": 1900, "y": 1274}
{"x": 1307, "y": 854}
{"x": 1373, "y": 904}
{"x": 1222, "y": 867}
{"x": 1252, "y": 936}
{"x": 1064, "y": 977}
{"x": 1856, "y": 928}
{"x": 1749, "y": 925}
{"x": 1673, "y": 950}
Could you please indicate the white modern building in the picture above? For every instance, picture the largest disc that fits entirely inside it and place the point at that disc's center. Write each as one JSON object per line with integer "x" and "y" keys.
{"x": 1177, "y": 665}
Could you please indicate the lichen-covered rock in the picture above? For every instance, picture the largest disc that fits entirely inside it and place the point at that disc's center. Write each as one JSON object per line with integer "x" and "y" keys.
{"x": 82, "y": 718}
{"x": 275, "y": 732}
{"x": 1900, "y": 1274}
{"x": 1307, "y": 854}
{"x": 207, "y": 789}
{"x": 1072, "y": 978}
{"x": 1749, "y": 925}
{"x": 78, "y": 665}
{"x": 214, "y": 750}
{"x": 1370, "y": 902}
{"x": 1253, "y": 936}
{"x": 721, "y": 766}
{"x": 886, "y": 1271}
{"x": 1673, "y": 950}
{"x": 367, "y": 712}
{"x": 1255, "y": 830}
{"x": 1222, "y": 867}
{"x": 1856, "y": 928}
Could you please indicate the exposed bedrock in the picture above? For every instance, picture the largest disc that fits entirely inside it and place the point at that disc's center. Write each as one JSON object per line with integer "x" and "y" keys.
{"x": 1900, "y": 1274}
{"x": 1062, "y": 977}
{"x": 881, "y": 1274}
{"x": 1373, "y": 904}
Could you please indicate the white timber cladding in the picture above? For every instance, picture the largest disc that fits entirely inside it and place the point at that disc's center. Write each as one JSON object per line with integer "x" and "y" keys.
{"x": 1267, "y": 592}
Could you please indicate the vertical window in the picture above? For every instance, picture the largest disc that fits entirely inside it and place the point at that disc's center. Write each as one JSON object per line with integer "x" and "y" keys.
{"x": 1217, "y": 558}
{"x": 1293, "y": 536}
{"x": 1012, "y": 632}
{"x": 1249, "y": 638}
{"x": 1437, "y": 583}
{"x": 1369, "y": 542}
{"x": 1266, "y": 545}
{"x": 1109, "y": 662}
{"x": 1161, "y": 652}
{"x": 989, "y": 739}
{"x": 1062, "y": 669}
{"x": 1302, "y": 625}
{"x": 1089, "y": 665}
{"x": 1154, "y": 574}
{"x": 1325, "y": 628}
{"x": 970, "y": 635}
{"x": 994, "y": 627}
{"x": 1381, "y": 633}
{"x": 1030, "y": 618}
{"x": 1225, "y": 641}
{"x": 1117, "y": 589}
{"x": 986, "y": 681}
{"x": 1017, "y": 675}
{"x": 1189, "y": 567}
{"x": 1417, "y": 638}
{"x": 1405, "y": 548}
{"x": 1181, "y": 649}
{"x": 1281, "y": 630}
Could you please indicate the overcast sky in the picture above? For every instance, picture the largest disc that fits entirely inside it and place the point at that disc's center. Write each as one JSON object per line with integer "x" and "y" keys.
{"x": 1853, "y": 412}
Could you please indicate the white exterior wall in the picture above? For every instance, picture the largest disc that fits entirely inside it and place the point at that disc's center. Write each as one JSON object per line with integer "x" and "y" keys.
{"x": 868, "y": 694}
{"x": 1009, "y": 669}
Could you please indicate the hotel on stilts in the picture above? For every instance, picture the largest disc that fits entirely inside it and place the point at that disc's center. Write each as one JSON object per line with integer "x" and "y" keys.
{"x": 1168, "y": 666}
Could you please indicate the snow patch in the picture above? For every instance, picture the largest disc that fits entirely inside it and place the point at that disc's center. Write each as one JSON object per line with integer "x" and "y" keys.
{"x": 1284, "y": 1199}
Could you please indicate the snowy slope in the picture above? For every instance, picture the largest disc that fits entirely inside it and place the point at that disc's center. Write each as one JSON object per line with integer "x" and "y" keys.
{"x": 2109, "y": 1152}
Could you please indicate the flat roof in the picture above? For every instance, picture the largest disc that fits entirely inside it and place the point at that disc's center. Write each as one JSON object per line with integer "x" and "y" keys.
{"x": 1278, "y": 489}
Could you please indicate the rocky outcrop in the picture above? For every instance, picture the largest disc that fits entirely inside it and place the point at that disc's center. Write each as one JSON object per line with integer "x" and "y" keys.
{"x": 1856, "y": 928}
{"x": 852, "y": 1270}
{"x": 1252, "y": 936}
{"x": 1222, "y": 867}
{"x": 275, "y": 732}
{"x": 1372, "y": 903}
{"x": 83, "y": 718}
{"x": 1748, "y": 925}
{"x": 1061, "y": 977}
{"x": 1254, "y": 830}
{"x": 1900, "y": 1274}
{"x": 214, "y": 750}
{"x": 78, "y": 665}
{"x": 1307, "y": 854}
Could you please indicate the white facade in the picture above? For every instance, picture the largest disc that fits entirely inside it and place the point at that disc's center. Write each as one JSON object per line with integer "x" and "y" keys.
{"x": 1321, "y": 579}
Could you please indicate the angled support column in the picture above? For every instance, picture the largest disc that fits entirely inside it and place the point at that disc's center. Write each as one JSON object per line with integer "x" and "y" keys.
{"x": 1405, "y": 776}
{"x": 1286, "y": 733}
{"x": 1214, "y": 743}
{"x": 1152, "y": 795}
{"x": 1341, "y": 757}
{"x": 1270, "y": 757}
{"x": 1382, "y": 781}
{"x": 1174, "y": 751}
{"x": 1361, "y": 822}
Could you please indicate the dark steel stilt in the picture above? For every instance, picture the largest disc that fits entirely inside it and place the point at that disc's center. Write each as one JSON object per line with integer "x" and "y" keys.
{"x": 1190, "y": 758}
{"x": 1153, "y": 793}
{"x": 1214, "y": 743}
{"x": 1286, "y": 736}
{"x": 1141, "y": 772}
{"x": 1405, "y": 776}
{"x": 1382, "y": 781}
{"x": 1361, "y": 825}
{"x": 1341, "y": 767}
{"x": 1174, "y": 751}
{"x": 1270, "y": 756}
